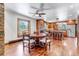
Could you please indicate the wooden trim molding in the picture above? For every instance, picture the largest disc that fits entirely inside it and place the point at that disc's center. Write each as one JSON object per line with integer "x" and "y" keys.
{"x": 14, "y": 41}
{"x": 71, "y": 22}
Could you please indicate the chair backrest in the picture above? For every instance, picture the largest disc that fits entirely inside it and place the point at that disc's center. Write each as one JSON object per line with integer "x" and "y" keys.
{"x": 41, "y": 31}
{"x": 25, "y": 35}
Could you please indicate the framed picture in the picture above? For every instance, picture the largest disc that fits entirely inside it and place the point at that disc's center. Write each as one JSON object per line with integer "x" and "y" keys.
{"x": 22, "y": 25}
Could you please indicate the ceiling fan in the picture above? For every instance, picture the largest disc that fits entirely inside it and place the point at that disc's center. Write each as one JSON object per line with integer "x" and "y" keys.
{"x": 39, "y": 11}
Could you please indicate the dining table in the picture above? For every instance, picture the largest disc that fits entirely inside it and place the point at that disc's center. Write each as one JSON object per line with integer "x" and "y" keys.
{"x": 37, "y": 38}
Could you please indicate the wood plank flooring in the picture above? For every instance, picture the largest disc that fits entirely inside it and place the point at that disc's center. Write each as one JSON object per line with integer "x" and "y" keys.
{"x": 66, "y": 47}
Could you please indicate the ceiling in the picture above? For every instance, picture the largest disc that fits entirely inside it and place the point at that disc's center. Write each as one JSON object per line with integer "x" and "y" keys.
{"x": 63, "y": 11}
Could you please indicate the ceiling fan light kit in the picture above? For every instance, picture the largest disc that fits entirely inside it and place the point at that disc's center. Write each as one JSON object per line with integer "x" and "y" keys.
{"x": 39, "y": 11}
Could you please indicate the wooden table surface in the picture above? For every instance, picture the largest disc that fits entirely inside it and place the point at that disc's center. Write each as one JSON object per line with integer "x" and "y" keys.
{"x": 38, "y": 35}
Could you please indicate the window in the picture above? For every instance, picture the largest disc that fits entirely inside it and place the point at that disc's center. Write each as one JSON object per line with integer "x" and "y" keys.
{"x": 23, "y": 25}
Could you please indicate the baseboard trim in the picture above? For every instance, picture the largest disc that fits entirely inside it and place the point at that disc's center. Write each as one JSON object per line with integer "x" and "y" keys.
{"x": 71, "y": 37}
{"x": 14, "y": 41}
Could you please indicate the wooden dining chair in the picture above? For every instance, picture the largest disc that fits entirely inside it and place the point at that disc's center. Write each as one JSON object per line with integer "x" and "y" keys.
{"x": 46, "y": 41}
{"x": 50, "y": 35}
{"x": 28, "y": 42}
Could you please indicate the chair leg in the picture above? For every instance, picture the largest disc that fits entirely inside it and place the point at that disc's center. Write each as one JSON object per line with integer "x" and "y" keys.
{"x": 49, "y": 45}
{"x": 45, "y": 47}
{"x": 29, "y": 46}
{"x": 23, "y": 46}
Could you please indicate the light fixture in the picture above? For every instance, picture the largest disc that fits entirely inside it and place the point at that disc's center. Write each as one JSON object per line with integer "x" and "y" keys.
{"x": 70, "y": 21}
{"x": 57, "y": 18}
{"x": 38, "y": 17}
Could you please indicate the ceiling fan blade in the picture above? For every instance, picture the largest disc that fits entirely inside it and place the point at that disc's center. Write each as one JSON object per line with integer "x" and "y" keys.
{"x": 47, "y": 8}
{"x": 31, "y": 13}
{"x": 33, "y": 7}
{"x": 37, "y": 11}
{"x": 42, "y": 13}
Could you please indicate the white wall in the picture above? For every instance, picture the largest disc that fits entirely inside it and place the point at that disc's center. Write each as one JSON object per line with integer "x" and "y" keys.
{"x": 11, "y": 25}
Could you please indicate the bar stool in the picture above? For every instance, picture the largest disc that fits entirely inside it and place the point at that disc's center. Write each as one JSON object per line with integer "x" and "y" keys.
{"x": 61, "y": 36}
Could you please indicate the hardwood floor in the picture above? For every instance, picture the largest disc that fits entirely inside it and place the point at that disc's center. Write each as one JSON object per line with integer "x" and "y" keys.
{"x": 66, "y": 47}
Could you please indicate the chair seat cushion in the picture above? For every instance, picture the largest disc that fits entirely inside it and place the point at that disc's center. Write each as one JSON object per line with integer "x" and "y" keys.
{"x": 44, "y": 40}
{"x": 26, "y": 37}
{"x": 31, "y": 41}
{"x": 48, "y": 40}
